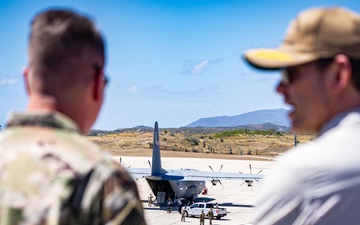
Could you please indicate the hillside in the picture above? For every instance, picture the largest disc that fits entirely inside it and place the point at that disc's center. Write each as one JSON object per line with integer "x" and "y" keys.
{"x": 231, "y": 142}
{"x": 259, "y": 133}
{"x": 267, "y": 116}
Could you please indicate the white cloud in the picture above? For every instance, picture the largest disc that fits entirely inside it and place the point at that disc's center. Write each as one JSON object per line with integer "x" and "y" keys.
{"x": 134, "y": 89}
{"x": 199, "y": 67}
{"x": 149, "y": 89}
{"x": 160, "y": 89}
{"x": 10, "y": 80}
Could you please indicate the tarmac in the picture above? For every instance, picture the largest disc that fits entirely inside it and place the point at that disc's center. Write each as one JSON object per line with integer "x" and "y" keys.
{"x": 234, "y": 195}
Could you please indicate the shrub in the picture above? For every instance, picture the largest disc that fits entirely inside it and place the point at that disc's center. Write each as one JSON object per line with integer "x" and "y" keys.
{"x": 193, "y": 141}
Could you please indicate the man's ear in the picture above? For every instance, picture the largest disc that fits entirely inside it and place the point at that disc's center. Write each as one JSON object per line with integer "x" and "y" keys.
{"x": 97, "y": 85}
{"x": 26, "y": 80}
{"x": 342, "y": 78}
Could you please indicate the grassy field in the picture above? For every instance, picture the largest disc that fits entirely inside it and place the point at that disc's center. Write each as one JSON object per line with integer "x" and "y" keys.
{"x": 193, "y": 145}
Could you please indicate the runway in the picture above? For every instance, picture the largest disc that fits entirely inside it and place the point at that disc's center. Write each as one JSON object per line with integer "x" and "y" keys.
{"x": 235, "y": 196}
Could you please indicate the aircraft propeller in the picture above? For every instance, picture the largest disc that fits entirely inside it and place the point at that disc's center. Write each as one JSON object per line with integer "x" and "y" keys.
{"x": 120, "y": 163}
{"x": 219, "y": 169}
{"x": 215, "y": 181}
{"x": 250, "y": 182}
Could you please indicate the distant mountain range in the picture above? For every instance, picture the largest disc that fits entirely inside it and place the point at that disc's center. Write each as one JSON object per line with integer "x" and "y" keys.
{"x": 257, "y": 120}
{"x": 266, "y": 116}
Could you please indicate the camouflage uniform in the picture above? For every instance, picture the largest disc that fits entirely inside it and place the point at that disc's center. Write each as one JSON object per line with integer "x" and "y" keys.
{"x": 183, "y": 214}
{"x": 210, "y": 216}
{"x": 51, "y": 174}
{"x": 202, "y": 218}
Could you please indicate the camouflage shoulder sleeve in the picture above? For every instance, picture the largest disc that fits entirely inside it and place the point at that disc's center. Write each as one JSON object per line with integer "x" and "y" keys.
{"x": 121, "y": 203}
{"x": 111, "y": 197}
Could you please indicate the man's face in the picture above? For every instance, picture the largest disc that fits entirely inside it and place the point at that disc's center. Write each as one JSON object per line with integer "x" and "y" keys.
{"x": 304, "y": 89}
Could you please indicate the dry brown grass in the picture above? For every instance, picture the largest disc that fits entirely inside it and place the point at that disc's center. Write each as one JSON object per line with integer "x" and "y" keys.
{"x": 197, "y": 145}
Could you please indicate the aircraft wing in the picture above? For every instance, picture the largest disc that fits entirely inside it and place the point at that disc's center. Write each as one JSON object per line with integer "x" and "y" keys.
{"x": 191, "y": 175}
{"x": 138, "y": 173}
{"x": 205, "y": 175}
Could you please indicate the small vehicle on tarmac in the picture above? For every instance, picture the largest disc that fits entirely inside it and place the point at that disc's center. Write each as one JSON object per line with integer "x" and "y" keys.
{"x": 196, "y": 208}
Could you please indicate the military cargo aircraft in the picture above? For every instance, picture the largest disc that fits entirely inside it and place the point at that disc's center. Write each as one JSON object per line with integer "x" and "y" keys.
{"x": 183, "y": 183}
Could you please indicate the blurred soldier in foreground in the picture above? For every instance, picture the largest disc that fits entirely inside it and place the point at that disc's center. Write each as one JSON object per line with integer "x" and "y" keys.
{"x": 49, "y": 172}
{"x": 320, "y": 61}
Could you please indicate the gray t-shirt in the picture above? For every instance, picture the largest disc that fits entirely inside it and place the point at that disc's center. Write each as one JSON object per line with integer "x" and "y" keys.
{"x": 318, "y": 182}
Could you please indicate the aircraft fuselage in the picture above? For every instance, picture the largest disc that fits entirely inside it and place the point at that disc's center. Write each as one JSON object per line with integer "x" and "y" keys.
{"x": 163, "y": 189}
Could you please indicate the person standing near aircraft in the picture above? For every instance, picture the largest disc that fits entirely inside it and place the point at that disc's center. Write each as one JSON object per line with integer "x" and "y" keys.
{"x": 169, "y": 204}
{"x": 320, "y": 61}
{"x": 210, "y": 215}
{"x": 202, "y": 217}
{"x": 183, "y": 213}
{"x": 150, "y": 200}
{"x": 180, "y": 204}
{"x": 50, "y": 173}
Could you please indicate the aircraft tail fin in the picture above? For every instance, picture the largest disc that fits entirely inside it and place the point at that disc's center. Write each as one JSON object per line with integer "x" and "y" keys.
{"x": 156, "y": 168}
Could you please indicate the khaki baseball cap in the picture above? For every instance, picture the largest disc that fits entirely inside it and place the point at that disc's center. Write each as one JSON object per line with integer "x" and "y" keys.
{"x": 313, "y": 34}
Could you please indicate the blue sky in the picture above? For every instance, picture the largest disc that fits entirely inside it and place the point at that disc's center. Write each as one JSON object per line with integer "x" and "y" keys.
{"x": 171, "y": 61}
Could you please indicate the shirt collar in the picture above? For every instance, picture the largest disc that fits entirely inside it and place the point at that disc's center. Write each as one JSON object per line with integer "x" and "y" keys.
{"x": 43, "y": 119}
{"x": 343, "y": 118}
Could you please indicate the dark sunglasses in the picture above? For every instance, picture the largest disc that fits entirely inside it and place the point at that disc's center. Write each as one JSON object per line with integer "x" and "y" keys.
{"x": 98, "y": 70}
{"x": 288, "y": 76}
